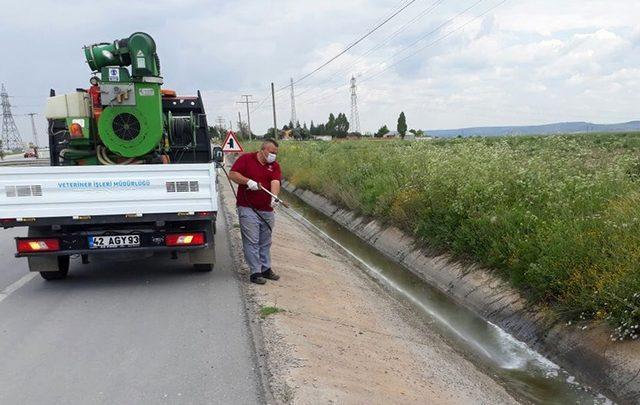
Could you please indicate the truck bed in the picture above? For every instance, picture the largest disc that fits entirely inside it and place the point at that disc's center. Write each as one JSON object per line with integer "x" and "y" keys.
{"x": 65, "y": 194}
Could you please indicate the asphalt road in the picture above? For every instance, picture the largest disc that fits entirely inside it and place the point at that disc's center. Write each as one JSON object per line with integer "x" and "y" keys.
{"x": 147, "y": 331}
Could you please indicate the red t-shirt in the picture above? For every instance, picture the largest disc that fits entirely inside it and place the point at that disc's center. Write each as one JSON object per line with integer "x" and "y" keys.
{"x": 249, "y": 166}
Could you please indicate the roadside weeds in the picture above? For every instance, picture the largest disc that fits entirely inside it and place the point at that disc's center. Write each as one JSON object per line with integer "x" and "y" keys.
{"x": 341, "y": 338}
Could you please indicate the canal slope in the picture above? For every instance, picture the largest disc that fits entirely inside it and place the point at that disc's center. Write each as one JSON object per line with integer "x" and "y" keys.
{"x": 341, "y": 337}
{"x": 585, "y": 350}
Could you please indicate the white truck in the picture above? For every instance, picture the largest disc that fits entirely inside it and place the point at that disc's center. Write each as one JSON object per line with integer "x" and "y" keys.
{"x": 99, "y": 210}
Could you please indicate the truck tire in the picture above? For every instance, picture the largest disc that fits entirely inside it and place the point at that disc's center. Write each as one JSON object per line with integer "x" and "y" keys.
{"x": 203, "y": 267}
{"x": 61, "y": 274}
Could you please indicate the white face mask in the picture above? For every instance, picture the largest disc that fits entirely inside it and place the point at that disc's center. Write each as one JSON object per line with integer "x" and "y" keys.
{"x": 271, "y": 157}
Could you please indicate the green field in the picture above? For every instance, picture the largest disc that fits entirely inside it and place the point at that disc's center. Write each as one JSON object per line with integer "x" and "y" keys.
{"x": 559, "y": 216}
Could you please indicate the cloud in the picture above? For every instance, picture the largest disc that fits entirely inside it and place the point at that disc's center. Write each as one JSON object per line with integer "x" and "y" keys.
{"x": 529, "y": 61}
{"x": 488, "y": 26}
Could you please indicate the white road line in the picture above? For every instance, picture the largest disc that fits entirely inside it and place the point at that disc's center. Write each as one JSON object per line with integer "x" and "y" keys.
{"x": 13, "y": 287}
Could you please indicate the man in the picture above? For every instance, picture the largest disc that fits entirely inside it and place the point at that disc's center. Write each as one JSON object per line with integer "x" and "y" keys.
{"x": 255, "y": 207}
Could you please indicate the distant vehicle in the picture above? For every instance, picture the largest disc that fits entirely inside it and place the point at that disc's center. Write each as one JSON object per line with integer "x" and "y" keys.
{"x": 30, "y": 154}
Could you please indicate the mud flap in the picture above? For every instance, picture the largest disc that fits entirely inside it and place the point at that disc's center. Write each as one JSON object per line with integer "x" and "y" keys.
{"x": 206, "y": 255}
{"x": 43, "y": 263}
{"x": 203, "y": 256}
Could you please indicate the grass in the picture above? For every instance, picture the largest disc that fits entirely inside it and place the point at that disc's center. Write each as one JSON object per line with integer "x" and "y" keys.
{"x": 265, "y": 311}
{"x": 558, "y": 216}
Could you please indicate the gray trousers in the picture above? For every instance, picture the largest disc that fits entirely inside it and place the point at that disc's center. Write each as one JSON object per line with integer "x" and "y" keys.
{"x": 256, "y": 238}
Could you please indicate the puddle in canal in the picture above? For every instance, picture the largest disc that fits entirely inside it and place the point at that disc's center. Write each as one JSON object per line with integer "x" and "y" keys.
{"x": 526, "y": 374}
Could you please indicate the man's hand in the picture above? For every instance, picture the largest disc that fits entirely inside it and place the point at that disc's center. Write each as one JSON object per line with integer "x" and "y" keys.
{"x": 253, "y": 185}
{"x": 274, "y": 202}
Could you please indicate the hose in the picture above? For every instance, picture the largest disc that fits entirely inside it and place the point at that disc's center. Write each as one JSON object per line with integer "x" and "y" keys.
{"x": 101, "y": 154}
{"x": 82, "y": 153}
{"x": 180, "y": 130}
{"x": 256, "y": 211}
{"x": 79, "y": 154}
{"x": 103, "y": 159}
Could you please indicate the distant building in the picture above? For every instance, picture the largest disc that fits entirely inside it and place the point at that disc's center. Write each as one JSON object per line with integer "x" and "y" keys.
{"x": 286, "y": 135}
{"x": 327, "y": 138}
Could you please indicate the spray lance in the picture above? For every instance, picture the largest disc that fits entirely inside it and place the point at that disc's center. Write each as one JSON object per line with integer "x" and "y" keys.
{"x": 218, "y": 157}
{"x": 275, "y": 197}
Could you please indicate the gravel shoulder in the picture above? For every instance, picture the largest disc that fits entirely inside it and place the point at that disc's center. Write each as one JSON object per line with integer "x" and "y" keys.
{"x": 340, "y": 337}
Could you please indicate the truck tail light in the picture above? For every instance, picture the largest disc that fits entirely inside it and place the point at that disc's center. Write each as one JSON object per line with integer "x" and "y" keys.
{"x": 38, "y": 245}
{"x": 185, "y": 239}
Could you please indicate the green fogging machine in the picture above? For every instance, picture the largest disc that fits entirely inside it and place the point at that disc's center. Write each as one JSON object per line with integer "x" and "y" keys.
{"x": 125, "y": 117}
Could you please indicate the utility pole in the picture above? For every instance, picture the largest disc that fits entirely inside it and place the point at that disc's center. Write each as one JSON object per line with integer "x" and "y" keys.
{"x": 221, "y": 123}
{"x": 33, "y": 128}
{"x": 355, "y": 117}
{"x": 10, "y": 135}
{"x": 273, "y": 103}
{"x": 294, "y": 119}
{"x": 247, "y": 102}
{"x": 241, "y": 129}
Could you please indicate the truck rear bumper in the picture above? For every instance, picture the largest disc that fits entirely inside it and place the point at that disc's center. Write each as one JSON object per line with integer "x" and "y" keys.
{"x": 151, "y": 237}
{"x": 140, "y": 249}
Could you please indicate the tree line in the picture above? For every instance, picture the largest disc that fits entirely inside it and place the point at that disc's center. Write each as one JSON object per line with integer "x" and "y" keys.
{"x": 335, "y": 126}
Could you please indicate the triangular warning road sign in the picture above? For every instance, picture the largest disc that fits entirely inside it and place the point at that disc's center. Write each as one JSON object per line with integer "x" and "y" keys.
{"x": 231, "y": 144}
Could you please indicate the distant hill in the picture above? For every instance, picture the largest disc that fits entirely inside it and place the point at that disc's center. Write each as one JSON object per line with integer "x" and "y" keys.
{"x": 548, "y": 129}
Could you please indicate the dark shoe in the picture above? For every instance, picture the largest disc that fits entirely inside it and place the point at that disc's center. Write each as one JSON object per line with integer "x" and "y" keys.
{"x": 270, "y": 275}
{"x": 257, "y": 278}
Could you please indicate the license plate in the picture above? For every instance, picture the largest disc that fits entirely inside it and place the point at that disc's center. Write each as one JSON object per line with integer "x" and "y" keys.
{"x": 114, "y": 241}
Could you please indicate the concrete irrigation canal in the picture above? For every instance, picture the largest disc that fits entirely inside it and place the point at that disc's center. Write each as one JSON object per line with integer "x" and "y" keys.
{"x": 525, "y": 374}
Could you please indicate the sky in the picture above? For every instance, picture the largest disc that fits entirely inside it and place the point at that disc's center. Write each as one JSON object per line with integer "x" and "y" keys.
{"x": 445, "y": 63}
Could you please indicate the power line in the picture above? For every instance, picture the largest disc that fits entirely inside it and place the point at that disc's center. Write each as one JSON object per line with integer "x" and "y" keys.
{"x": 436, "y": 41}
{"x": 401, "y": 29}
{"x": 262, "y": 102}
{"x": 420, "y": 39}
{"x": 397, "y": 32}
{"x": 423, "y": 36}
{"x": 439, "y": 39}
{"x": 331, "y": 92}
{"x": 362, "y": 38}
{"x": 431, "y": 32}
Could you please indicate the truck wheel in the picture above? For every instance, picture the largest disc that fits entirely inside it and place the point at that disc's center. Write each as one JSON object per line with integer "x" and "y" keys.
{"x": 203, "y": 267}
{"x": 61, "y": 274}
